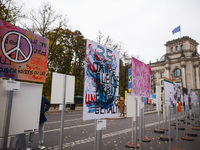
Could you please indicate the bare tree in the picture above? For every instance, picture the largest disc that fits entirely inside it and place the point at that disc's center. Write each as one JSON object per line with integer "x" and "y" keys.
{"x": 108, "y": 41}
{"x": 44, "y": 20}
{"x": 9, "y": 11}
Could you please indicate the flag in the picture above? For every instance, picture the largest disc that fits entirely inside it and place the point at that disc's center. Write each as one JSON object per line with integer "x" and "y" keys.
{"x": 177, "y": 29}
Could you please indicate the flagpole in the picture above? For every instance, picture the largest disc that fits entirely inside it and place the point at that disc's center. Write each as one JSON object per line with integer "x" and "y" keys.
{"x": 180, "y": 31}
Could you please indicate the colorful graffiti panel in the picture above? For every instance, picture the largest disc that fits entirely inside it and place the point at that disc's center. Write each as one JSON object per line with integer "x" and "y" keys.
{"x": 141, "y": 79}
{"x": 23, "y": 54}
{"x": 172, "y": 91}
{"x": 101, "y": 82}
{"x": 129, "y": 79}
{"x": 177, "y": 92}
{"x": 169, "y": 90}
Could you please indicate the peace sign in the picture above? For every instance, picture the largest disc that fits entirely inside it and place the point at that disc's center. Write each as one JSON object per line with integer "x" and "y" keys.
{"x": 17, "y": 51}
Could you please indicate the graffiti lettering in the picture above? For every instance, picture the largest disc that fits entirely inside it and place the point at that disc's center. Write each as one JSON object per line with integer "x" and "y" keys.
{"x": 24, "y": 71}
{"x": 40, "y": 52}
{"x": 1, "y": 28}
{"x": 43, "y": 73}
{"x": 9, "y": 26}
{"x": 103, "y": 69}
{"x": 31, "y": 67}
{"x": 39, "y": 56}
{"x": 103, "y": 107}
{"x": 89, "y": 98}
{"x": 100, "y": 55}
{"x": 36, "y": 77}
{"x": 8, "y": 70}
{"x": 37, "y": 62}
{"x": 9, "y": 75}
{"x": 11, "y": 42}
{"x": 31, "y": 37}
{"x": 4, "y": 61}
{"x": 43, "y": 44}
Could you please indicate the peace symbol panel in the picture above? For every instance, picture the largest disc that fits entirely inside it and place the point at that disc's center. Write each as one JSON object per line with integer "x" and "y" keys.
{"x": 23, "y": 54}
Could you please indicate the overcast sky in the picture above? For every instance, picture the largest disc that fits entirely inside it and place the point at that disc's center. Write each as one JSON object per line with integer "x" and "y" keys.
{"x": 142, "y": 26}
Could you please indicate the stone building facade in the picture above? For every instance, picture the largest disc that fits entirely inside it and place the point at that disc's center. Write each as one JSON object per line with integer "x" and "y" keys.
{"x": 181, "y": 63}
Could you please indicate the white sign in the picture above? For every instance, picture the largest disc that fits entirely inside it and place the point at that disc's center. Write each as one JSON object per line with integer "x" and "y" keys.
{"x": 57, "y": 89}
{"x": 131, "y": 105}
{"x": 12, "y": 85}
{"x": 186, "y": 101}
{"x": 142, "y": 105}
{"x": 25, "y": 113}
{"x": 158, "y": 98}
{"x": 101, "y": 124}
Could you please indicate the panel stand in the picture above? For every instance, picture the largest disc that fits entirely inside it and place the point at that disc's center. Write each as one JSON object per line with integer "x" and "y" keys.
{"x": 98, "y": 138}
{"x": 186, "y": 132}
{"x": 159, "y": 130}
{"x": 145, "y": 139}
{"x": 140, "y": 122}
{"x": 7, "y": 119}
{"x": 133, "y": 145}
{"x": 167, "y": 138}
{"x": 177, "y": 137}
{"x": 169, "y": 126}
{"x": 62, "y": 115}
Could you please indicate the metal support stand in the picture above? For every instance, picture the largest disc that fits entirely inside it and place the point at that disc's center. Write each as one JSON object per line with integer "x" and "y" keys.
{"x": 169, "y": 126}
{"x": 159, "y": 130}
{"x": 7, "y": 119}
{"x": 140, "y": 124}
{"x": 132, "y": 129}
{"x": 166, "y": 118}
{"x": 177, "y": 136}
{"x": 134, "y": 119}
{"x": 136, "y": 124}
{"x": 186, "y": 132}
{"x": 98, "y": 138}
{"x": 62, "y": 116}
{"x": 145, "y": 139}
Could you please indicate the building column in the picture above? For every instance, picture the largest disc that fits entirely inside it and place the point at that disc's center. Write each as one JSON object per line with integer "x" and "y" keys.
{"x": 197, "y": 77}
{"x": 167, "y": 67}
{"x": 183, "y": 74}
{"x": 196, "y": 66}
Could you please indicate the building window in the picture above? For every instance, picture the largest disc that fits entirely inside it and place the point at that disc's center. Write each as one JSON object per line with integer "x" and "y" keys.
{"x": 154, "y": 82}
{"x": 154, "y": 90}
{"x": 181, "y": 47}
{"x": 162, "y": 89}
{"x": 162, "y": 82}
{"x": 176, "y": 48}
{"x": 154, "y": 75}
{"x": 161, "y": 74}
{"x": 171, "y": 49}
{"x": 177, "y": 72}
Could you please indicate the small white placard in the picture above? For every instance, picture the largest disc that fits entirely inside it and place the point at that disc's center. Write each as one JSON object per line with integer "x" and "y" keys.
{"x": 1, "y": 143}
{"x": 12, "y": 85}
{"x": 142, "y": 105}
{"x": 61, "y": 107}
{"x": 134, "y": 118}
{"x": 101, "y": 124}
{"x": 190, "y": 112}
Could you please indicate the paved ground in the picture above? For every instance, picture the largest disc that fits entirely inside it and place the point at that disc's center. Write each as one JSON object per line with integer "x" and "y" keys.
{"x": 79, "y": 134}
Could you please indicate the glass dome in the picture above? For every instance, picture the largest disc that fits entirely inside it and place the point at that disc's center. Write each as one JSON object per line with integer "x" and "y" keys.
{"x": 162, "y": 58}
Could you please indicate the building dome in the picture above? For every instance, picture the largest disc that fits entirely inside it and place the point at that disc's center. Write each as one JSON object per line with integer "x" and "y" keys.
{"x": 162, "y": 58}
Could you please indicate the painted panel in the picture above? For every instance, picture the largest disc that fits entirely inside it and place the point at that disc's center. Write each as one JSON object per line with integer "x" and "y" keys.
{"x": 101, "y": 82}
{"x": 23, "y": 54}
{"x": 141, "y": 79}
